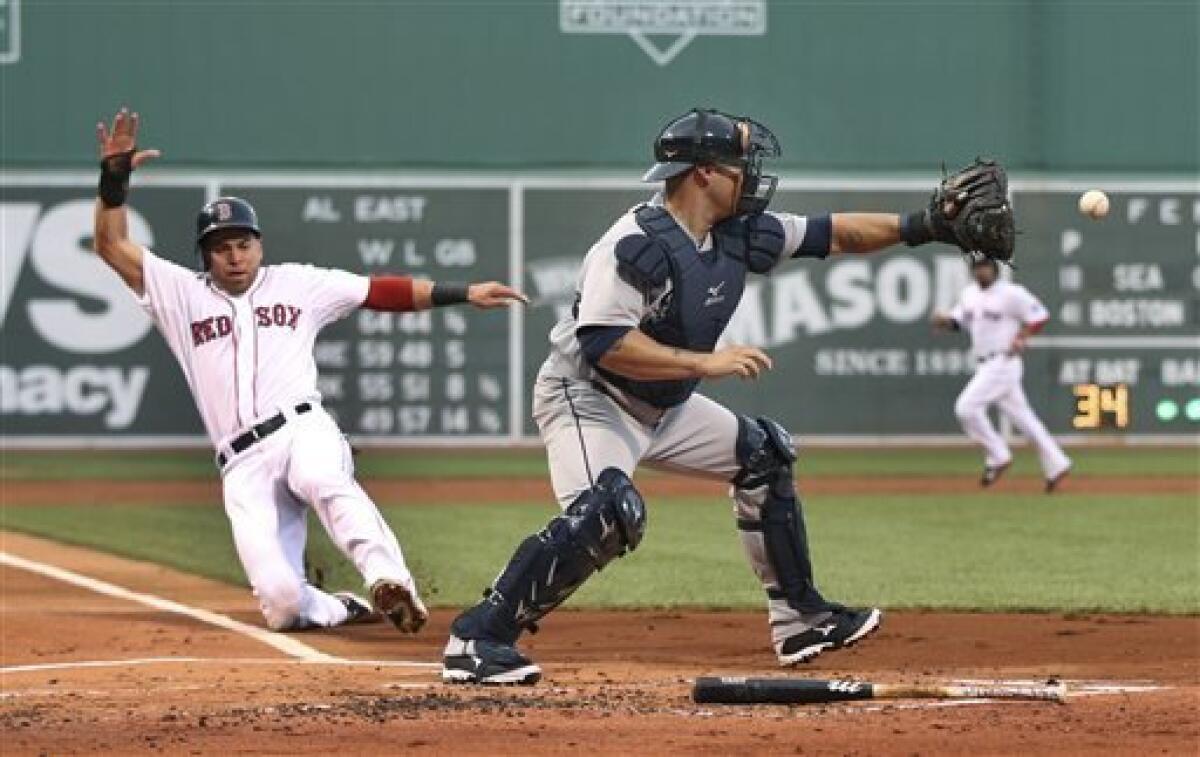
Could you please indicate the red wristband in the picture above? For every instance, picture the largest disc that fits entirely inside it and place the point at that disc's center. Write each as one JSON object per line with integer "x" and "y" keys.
{"x": 391, "y": 293}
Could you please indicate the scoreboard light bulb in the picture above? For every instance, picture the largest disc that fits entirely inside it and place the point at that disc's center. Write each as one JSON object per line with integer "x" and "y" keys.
{"x": 1192, "y": 409}
{"x": 1166, "y": 410}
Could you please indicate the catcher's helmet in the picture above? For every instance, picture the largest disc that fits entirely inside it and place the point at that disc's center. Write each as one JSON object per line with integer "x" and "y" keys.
{"x": 701, "y": 137}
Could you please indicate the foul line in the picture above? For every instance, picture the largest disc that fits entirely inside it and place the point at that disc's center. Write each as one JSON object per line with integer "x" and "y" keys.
{"x": 284, "y": 644}
{"x": 82, "y": 664}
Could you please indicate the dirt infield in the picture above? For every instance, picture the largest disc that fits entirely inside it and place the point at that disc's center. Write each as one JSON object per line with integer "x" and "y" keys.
{"x": 488, "y": 490}
{"x": 615, "y": 682}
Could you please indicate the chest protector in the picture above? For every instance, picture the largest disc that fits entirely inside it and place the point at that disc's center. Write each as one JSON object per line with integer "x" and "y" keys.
{"x": 692, "y": 294}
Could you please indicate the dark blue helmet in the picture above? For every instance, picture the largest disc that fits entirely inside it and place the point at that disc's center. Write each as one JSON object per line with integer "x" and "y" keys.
{"x": 703, "y": 136}
{"x": 224, "y": 213}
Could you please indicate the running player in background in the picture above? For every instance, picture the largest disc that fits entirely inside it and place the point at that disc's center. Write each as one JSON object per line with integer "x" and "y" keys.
{"x": 1000, "y": 316}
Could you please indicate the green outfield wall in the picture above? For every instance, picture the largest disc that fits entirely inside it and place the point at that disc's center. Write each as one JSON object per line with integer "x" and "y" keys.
{"x": 876, "y": 85}
{"x": 855, "y": 357}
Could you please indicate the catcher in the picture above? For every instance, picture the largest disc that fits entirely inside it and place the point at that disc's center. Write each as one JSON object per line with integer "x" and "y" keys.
{"x": 652, "y": 299}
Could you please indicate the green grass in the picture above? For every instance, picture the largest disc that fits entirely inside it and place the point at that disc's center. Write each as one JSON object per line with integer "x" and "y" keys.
{"x": 150, "y": 465}
{"x": 158, "y": 465}
{"x": 996, "y": 552}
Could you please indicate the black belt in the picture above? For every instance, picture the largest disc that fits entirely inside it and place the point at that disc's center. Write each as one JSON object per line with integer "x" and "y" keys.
{"x": 990, "y": 355}
{"x": 258, "y": 432}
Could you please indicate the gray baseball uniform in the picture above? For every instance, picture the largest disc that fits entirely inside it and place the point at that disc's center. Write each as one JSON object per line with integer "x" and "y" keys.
{"x": 698, "y": 437}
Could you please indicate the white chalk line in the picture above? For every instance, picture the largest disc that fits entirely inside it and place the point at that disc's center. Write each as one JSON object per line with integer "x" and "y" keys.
{"x": 9, "y": 693}
{"x": 285, "y": 644}
{"x": 277, "y": 641}
{"x": 304, "y": 654}
{"x": 337, "y": 661}
{"x": 58, "y": 691}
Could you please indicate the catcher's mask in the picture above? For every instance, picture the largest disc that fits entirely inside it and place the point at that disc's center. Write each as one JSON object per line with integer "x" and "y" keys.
{"x": 223, "y": 213}
{"x": 705, "y": 136}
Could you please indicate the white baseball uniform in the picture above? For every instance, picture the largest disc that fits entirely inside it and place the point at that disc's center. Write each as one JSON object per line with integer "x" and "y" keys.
{"x": 993, "y": 317}
{"x": 248, "y": 359}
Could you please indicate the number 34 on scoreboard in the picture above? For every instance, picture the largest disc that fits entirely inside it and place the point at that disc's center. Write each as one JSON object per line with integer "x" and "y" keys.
{"x": 1098, "y": 406}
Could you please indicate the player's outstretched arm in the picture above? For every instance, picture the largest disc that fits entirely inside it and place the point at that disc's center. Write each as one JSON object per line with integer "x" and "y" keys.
{"x": 969, "y": 209}
{"x": 640, "y": 357}
{"x": 404, "y": 294}
{"x": 483, "y": 295}
{"x": 118, "y": 157}
{"x": 864, "y": 232}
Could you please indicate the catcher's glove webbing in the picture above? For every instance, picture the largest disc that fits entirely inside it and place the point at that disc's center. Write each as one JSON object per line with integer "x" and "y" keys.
{"x": 970, "y": 210}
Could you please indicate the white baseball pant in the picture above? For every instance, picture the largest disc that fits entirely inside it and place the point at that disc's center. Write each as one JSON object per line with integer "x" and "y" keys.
{"x": 267, "y": 491}
{"x": 998, "y": 381}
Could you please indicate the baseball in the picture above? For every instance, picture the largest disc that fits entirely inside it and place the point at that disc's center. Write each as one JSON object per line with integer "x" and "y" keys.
{"x": 1093, "y": 203}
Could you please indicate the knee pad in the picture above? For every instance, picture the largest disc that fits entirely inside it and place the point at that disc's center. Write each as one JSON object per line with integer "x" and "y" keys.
{"x": 602, "y": 524}
{"x": 606, "y": 521}
{"x": 766, "y": 453}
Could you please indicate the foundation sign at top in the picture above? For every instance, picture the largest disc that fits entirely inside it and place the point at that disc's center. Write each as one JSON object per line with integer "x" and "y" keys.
{"x": 679, "y": 21}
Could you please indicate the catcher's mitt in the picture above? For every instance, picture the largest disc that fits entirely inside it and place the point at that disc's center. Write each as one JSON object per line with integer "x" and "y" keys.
{"x": 970, "y": 209}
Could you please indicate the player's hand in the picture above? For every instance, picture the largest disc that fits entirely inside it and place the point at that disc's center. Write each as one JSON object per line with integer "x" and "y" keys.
{"x": 1019, "y": 343}
{"x": 493, "y": 294}
{"x": 746, "y": 362}
{"x": 122, "y": 138}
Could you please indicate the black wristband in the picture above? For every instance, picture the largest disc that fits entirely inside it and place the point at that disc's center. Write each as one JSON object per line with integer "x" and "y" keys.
{"x": 449, "y": 293}
{"x": 114, "y": 178}
{"x": 915, "y": 228}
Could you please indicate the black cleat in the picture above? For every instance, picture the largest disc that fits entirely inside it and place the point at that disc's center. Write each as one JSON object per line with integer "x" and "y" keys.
{"x": 844, "y": 628}
{"x": 357, "y": 609}
{"x": 1052, "y": 483}
{"x": 992, "y": 473}
{"x": 487, "y": 662}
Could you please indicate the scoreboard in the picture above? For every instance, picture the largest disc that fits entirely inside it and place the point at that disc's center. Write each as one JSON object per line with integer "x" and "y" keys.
{"x": 442, "y": 372}
{"x": 854, "y": 353}
{"x": 1124, "y": 292}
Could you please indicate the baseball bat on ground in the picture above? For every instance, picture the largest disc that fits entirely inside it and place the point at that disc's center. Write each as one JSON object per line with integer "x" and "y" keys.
{"x": 728, "y": 690}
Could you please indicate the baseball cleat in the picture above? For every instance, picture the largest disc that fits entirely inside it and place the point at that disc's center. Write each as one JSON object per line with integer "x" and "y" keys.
{"x": 399, "y": 604}
{"x": 487, "y": 662}
{"x": 357, "y": 609}
{"x": 1053, "y": 482}
{"x": 992, "y": 473}
{"x": 844, "y": 628}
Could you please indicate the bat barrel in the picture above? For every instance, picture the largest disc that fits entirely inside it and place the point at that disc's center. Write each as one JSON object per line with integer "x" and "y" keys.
{"x": 729, "y": 690}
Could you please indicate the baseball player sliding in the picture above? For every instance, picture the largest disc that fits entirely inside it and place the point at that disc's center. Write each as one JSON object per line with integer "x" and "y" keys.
{"x": 619, "y": 387}
{"x": 243, "y": 334}
{"x": 1000, "y": 316}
